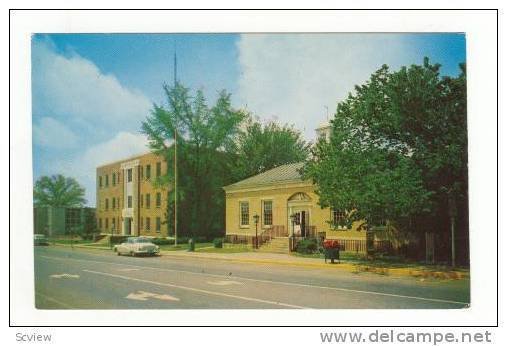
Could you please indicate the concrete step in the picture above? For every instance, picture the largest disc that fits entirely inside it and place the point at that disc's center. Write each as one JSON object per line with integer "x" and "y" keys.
{"x": 276, "y": 245}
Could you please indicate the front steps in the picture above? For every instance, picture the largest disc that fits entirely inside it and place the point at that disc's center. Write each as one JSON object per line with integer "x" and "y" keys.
{"x": 276, "y": 245}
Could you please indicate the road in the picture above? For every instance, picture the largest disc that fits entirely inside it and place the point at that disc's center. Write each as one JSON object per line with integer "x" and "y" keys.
{"x": 96, "y": 279}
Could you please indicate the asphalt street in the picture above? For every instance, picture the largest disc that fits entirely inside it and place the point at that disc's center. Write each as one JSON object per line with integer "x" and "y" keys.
{"x": 68, "y": 278}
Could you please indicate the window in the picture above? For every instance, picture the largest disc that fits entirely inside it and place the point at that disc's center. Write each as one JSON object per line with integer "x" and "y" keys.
{"x": 148, "y": 171}
{"x": 107, "y": 204}
{"x": 100, "y": 224}
{"x": 107, "y": 180}
{"x": 158, "y": 225}
{"x": 107, "y": 223}
{"x": 159, "y": 169}
{"x": 147, "y": 201}
{"x": 147, "y": 223}
{"x": 267, "y": 213}
{"x": 157, "y": 200}
{"x": 129, "y": 175}
{"x": 338, "y": 217}
{"x": 142, "y": 200}
{"x": 141, "y": 172}
{"x": 100, "y": 181}
{"x": 118, "y": 202}
{"x": 114, "y": 203}
{"x": 244, "y": 213}
{"x": 129, "y": 201}
{"x": 114, "y": 179}
{"x": 113, "y": 221}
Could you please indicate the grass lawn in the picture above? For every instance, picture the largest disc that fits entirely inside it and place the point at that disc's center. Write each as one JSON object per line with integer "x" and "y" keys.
{"x": 68, "y": 241}
{"x": 184, "y": 246}
{"x": 227, "y": 249}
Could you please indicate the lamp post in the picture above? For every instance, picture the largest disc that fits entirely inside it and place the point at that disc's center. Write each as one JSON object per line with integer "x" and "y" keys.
{"x": 256, "y": 220}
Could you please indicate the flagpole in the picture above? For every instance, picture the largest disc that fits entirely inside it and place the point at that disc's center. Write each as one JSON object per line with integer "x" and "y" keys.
{"x": 175, "y": 166}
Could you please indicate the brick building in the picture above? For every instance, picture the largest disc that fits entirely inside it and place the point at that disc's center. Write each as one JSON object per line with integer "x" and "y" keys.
{"x": 128, "y": 202}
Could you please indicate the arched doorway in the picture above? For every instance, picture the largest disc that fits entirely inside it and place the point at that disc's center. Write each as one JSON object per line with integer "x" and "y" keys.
{"x": 300, "y": 206}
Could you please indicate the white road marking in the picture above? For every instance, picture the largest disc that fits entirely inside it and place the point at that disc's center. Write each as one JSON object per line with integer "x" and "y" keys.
{"x": 193, "y": 289}
{"x": 65, "y": 275}
{"x": 142, "y": 295}
{"x": 276, "y": 282}
{"x": 65, "y": 305}
{"x": 224, "y": 283}
{"x": 127, "y": 269}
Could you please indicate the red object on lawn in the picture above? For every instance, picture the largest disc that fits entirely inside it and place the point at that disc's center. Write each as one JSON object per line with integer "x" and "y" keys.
{"x": 331, "y": 244}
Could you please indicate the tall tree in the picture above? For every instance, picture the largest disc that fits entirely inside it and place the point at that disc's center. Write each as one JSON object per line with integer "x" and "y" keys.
{"x": 204, "y": 136}
{"x": 262, "y": 147}
{"x": 416, "y": 120}
{"x": 58, "y": 191}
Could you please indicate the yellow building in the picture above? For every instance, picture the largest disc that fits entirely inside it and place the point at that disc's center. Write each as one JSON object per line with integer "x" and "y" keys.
{"x": 127, "y": 201}
{"x": 276, "y": 195}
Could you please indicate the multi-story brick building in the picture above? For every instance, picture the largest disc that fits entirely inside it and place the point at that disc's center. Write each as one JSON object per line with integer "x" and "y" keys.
{"x": 128, "y": 202}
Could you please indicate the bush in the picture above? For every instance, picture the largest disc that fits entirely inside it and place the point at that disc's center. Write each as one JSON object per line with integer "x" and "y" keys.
{"x": 218, "y": 243}
{"x": 307, "y": 246}
{"x": 162, "y": 241}
{"x": 200, "y": 239}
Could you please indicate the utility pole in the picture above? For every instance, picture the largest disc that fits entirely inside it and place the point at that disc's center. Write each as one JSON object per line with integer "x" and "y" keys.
{"x": 175, "y": 164}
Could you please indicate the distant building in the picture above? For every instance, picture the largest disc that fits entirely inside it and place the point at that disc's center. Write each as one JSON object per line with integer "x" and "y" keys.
{"x": 53, "y": 221}
{"x": 127, "y": 201}
{"x": 324, "y": 131}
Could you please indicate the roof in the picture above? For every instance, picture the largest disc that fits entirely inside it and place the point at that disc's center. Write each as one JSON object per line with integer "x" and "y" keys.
{"x": 280, "y": 174}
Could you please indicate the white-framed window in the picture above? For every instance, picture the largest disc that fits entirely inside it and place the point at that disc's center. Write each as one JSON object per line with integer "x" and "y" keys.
{"x": 244, "y": 214}
{"x": 129, "y": 175}
{"x": 267, "y": 213}
{"x": 337, "y": 218}
{"x": 129, "y": 201}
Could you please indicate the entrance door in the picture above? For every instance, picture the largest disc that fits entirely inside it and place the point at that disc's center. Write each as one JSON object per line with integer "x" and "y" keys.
{"x": 127, "y": 225}
{"x": 303, "y": 223}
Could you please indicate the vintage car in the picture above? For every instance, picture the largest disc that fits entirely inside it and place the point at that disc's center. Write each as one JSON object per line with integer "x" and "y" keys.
{"x": 137, "y": 246}
{"x": 40, "y": 239}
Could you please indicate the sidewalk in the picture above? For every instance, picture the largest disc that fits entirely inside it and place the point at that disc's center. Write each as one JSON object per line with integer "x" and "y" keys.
{"x": 350, "y": 266}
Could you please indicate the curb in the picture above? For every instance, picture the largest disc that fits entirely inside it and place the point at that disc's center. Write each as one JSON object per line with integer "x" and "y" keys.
{"x": 354, "y": 268}
{"x": 82, "y": 246}
{"x": 351, "y": 268}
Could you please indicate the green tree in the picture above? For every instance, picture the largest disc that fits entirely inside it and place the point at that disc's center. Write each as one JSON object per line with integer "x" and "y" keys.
{"x": 205, "y": 136}
{"x": 404, "y": 132}
{"x": 263, "y": 147}
{"x": 58, "y": 191}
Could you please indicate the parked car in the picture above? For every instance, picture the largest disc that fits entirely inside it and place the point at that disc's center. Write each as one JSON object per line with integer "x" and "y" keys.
{"x": 40, "y": 239}
{"x": 137, "y": 246}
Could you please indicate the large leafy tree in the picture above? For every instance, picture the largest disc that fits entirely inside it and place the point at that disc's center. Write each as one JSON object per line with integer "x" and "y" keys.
{"x": 262, "y": 147}
{"x": 205, "y": 135}
{"x": 398, "y": 150}
{"x": 58, "y": 191}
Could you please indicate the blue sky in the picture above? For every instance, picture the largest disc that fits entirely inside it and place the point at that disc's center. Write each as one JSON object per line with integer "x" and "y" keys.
{"x": 90, "y": 92}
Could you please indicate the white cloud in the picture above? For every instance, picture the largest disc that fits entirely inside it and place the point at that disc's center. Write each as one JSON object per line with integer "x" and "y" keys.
{"x": 74, "y": 91}
{"x": 83, "y": 166}
{"x": 82, "y": 118}
{"x": 49, "y": 132}
{"x": 293, "y": 77}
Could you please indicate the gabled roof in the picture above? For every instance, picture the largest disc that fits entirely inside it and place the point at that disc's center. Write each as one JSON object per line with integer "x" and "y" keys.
{"x": 281, "y": 174}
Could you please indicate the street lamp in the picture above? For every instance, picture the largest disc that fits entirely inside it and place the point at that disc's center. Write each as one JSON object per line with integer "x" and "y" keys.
{"x": 256, "y": 220}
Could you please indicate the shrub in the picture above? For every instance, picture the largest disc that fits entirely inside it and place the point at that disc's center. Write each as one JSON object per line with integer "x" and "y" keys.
{"x": 218, "y": 243}
{"x": 162, "y": 241}
{"x": 307, "y": 246}
{"x": 200, "y": 239}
